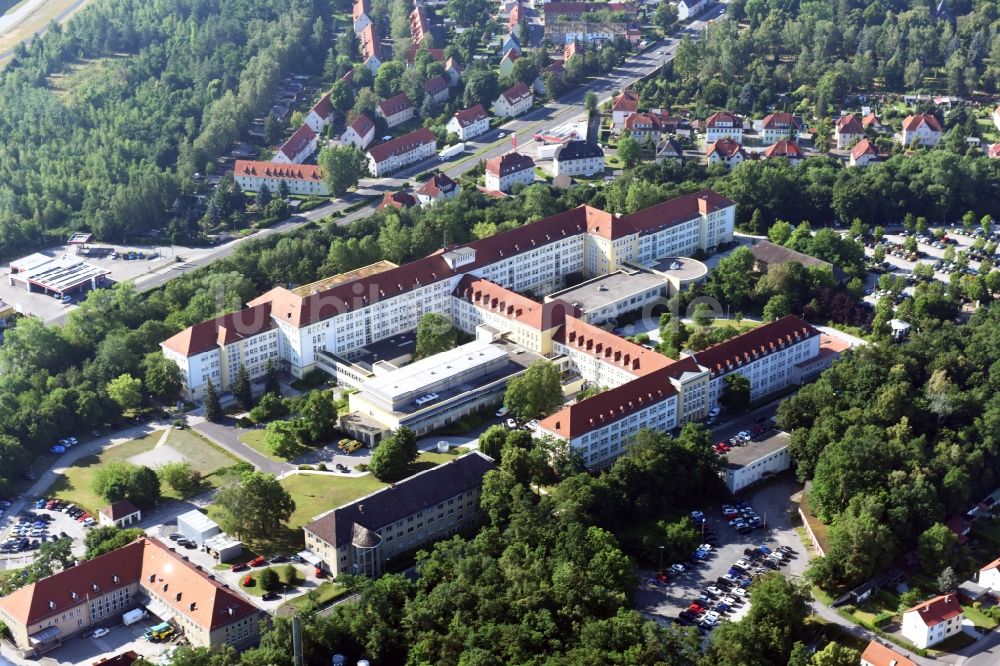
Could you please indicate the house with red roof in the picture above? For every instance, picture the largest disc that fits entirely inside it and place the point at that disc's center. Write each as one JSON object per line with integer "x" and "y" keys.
{"x": 304, "y": 179}
{"x": 872, "y": 123}
{"x": 320, "y": 115}
{"x": 876, "y": 654}
{"x": 557, "y": 69}
{"x": 439, "y": 187}
{"x": 989, "y": 577}
{"x": 119, "y": 514}
{"x": 993, "y": 151}
{"x": 922, "y": 129}
{"x": 396, "y": 110}
{"x": 623, "y": 106}
{"x": 469, "y": 123}
{"x": 863, "y": 153}
{"x": 848, "y": 131}
{"x": 785, "y": 148}
{"x": 777, "y": 126}
{"x": 371, "y": 48}
{"x": 437, "y": 89}
{"x": 361, "y": 15}
{"x": 420, "y": 27}
{"x": 397, "y": 153}
{"x": 726, "y": 151}
{"x": 933, "y": 621}
{"x": 437, "y": 55}
{"x": 507, "y": 63}
{"x": 505, "y": 171}
{"x": 514, "y": 101}
{"x": 723, "y": 125}
{"x": 453, "y": 71}
{"x": 400, "y": 200}
{"x": 514, "y": 20}
{"x": 359, "y": 133}
{"x": 299, "y": 147}
{"x": 996, "y": 117}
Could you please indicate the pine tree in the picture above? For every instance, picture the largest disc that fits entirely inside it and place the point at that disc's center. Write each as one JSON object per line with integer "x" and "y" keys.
{"x": 272, "y": 383}
{"x": 242, "y": 390}
{"x": 213, "y": 408}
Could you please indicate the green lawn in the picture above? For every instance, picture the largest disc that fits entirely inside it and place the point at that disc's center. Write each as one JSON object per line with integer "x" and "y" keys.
{"x": 316, "y": 493}
{"x": 255, "y": 440}
{"x": 76, "y": 484}
{"x": 283, "y": 571}
{"x": 321, "y": 596}
{"x": 979, "y": 618}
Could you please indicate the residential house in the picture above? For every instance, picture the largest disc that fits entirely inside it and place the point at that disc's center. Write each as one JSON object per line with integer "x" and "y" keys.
{"x": 42, "y": 615}
{"x": 503, "y": 172}
{"x": 960, "y": 526}
{"x": 877, "y": 654}
{"x": 725, "y": 151}
{"x": 437, "y": 55}
{"x": 777, "y": 126}
{"x": 996, "y": 117}
{"x": 572, "y": 48}
{"x": 645, "y": 127}
{"x": 507, "y": 62}
{"x": 371, "y": 49}
{"x": 419, "y": 26}
{"x": 514, "y": 20}
{"x": 623, "y": 106}
{"x": 863, "y": 153}
{"x": 302, "y": 179}
{"x": 848, "y": 131}
{"x": 989, "y": 576}
{"x": 469, "y": 123}
{"x": 437, "y": 89}
{"x": 933, "y": 621}
{"x": 669, "y": 149}
{"x": 722, "y": 125}
{"x": 361, "y": 13}
{"x": 396, "y": 110}
{"x": 439, "y": 187}
{"x": 578, "y": 158}
{"x": 299, "y": 147}
{"x": 400, "y": 199}
{"x": 120, "y": 514}
{"x": 510, "y": 43}
{"x": 993, "y": 152}
{"x": 873, "y": 123}
{"x": 453, "y": 71}
{"x": 359, "y": 133}
{"x": 921, "y": 129}
{"x": 557, "y": 69}
{"x": 398, "y": 153}
{"x": 688, "y": 9}
{"x": 785, "y": 148}
{"x": 514, "y": 101}
{"x": 320, "y": 115}
{"x": 358, "y": 538}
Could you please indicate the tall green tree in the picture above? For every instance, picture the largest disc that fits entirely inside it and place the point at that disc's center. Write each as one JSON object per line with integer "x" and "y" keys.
{"x": 342, "y": 167}
{"x": 213, "y": 407}
{"x": 256, "y": 507}
{"x": 435, "y": 334}
{"x": 535, "y": 393}
{"x": 242, "y": 389}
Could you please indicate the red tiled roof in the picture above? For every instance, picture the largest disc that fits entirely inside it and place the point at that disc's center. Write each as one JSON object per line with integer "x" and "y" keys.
{"x": 780, "y": 120}
{"x": 297, "y": 141}
{"x": 516, "y": 93}
{"x": 324, "y": 107}
{"x": 435, "y": 85}
{"x": 309, "y": 172}
{"x": 119, "y": 510}
{"x": 556, "y": 68}
{"x": 398, "y": 200}
{"x": 784, "y": 148}
{"x": 361, "y": 7}
{"x": 672, "y": 212}
{"x": 992, "y": 565}
{"x": 419, "y": 26}
{"x": 492, "y": 297}
{"x": 401, "y": 145}
{"x": 515, "y": 15}
{"x": 755, "y": 344}
{"x": 411, "y": 53}
{"x": 626, "y": 101}
{"x": 438, "y": 184}
{"x": 571, "y": 50}
{"x": 451, "y": 63}
{"x": 726, "y": 147}
{"x": 723, "y": 117}
{"x": 960, "y": 527}
{"x": 610, "y": 348}
{"x": 993, "y": 151}
{"x": 370, "y": 45}
{"x": 362, "y": 125}
{"x": 348, "y": 76}
{"x": 912, "y": 123}
{"x": 877, "y": 654}
{"x": 870, "y": 120}
{"x": 863, "y": 147}
{"x": 937, "y": 610}
{"x": 510, "y": 55}
{"x": 849, "y": 124}
{"x": 224, "y": 330}
{"x": 394, "y": 105}
{"x": 472, "y": 115}
{"x": 509, "y": 163}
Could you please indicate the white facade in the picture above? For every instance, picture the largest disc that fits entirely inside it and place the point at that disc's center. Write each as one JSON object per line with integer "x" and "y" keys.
{"x": 721, "y": 127}
{"x": 769, "y": 372}
{"x": 253, "y": 182}
{"x": 916, "y": 629}
{"x": 420, "y": 151}
{"x": 989, "y": 577}
{"x": 506, "y": 182}
{"x": 923, "y": 135}
{"x": 297, "y": 152}
{"x": 398, "y": 117}
{"x": 472, "y": 130}
{"x": 509, "y": 108}
{"x": 774, "y": 462}
{"x": 220, "y": 364}
{"x": 730, "y": 160}
{"x": 601, "y": 446}
{"x": 688, "y": 9}
{"x": 359, "y": 141}
{"x": 587, "y": 165}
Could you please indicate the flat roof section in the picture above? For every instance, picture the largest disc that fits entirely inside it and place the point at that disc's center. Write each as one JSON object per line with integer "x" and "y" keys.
{"x": 742, "y": 456}
{"x": 607, "y": 289}
{"x": 395, "y": 351}
{"x": 428, "y": 371}
{"x": 58, "y": 275}
{"x": 681, "y": 268}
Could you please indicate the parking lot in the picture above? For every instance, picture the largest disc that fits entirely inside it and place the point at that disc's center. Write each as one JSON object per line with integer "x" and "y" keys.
{"x": 39, "y": 525}
{"x": 665, "y": 602}
{"x": 120, "y": 638}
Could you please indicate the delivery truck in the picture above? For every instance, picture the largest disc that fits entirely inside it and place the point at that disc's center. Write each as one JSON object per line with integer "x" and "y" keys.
{"x": 134, "y": 615}
{"x": 450, "y": 151}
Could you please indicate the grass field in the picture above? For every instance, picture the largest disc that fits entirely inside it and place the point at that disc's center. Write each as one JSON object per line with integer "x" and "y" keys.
{"x": 255, "y": 440}
{"x": 76, "y": 484}
{"x": 321, "y": 596}
{"x": 283, "y": 571}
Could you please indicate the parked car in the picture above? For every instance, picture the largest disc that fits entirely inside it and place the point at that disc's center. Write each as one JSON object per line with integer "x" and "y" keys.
{"x": 240, "y": 566}
{"x": 247, "y": 581}
{"x": 271, "y": 596}
{"x": 677, "y": 568}
{"x": 258, "y": 561}
{"x": 100, "y": 632}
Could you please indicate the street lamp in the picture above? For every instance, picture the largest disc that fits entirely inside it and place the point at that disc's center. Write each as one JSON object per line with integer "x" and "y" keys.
{"x": 661, "y": 560}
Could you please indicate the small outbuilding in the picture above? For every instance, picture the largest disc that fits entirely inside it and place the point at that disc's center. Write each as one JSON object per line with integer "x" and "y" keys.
{"x": 224, "y": 547}
{"x": 119, "y": 514}
{"x": 196, "y": 526}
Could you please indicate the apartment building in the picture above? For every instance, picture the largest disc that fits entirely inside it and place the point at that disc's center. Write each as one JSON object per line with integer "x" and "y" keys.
{"x": 848, "y": 131}
{"x": 688, "y": 9}
{"x": 400, "y": 152}
{"x": 726, "y": 151}
{"x": 503, "y": 172}
{"x": 359, "y": 133}
{"x": 933, "y": 621}
{"x": 42, "y": 615}
{"x": 723, "y": 125}
{"x": 437, "y": 89}
{"x": 514, "y": 101}
{"x": 578, "y": 158}
{"x": 396, "y": 110}
{"x": 344, "y": 313}
{"x": 361, "y": 13}
{"x": 469, "y": 123}
{"x": 320, "y": 115}
{"x": 921, "y": 130}
{"x": 876, "y": 654}
{"x": 777, "y": 126}
{"x": 305, "y": 179}
{"x": 299, "y": 147}
{"x": 360, "y": 537}
{"x": 371, "y": 48}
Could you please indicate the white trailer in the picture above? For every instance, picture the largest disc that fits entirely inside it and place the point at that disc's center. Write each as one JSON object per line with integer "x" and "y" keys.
{"x": 450, "y": 151}
{"x": 134, "y": 615}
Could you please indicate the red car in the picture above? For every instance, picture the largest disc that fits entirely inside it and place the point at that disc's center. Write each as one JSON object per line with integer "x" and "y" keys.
{"x": 248, "y": 581}
{"x": 240, "y": 567}
{"x": 82, "y": 517}
{"x": 258, "y": 561}
{"x": 319, "y": 573}
{"x": 694, "y": 608}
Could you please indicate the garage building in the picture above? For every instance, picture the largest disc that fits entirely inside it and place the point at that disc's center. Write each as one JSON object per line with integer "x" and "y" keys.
{"x": 197, "y": 527}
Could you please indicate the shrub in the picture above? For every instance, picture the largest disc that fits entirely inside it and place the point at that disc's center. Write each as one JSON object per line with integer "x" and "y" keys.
{"x": 883, "y": 618}
{"x": 321, "y": 467}
{"x": 179, "y": 424}
{"x": 305, "y": 467}
{"x": 290, "y": 575}
{"x": 244, "y": 422}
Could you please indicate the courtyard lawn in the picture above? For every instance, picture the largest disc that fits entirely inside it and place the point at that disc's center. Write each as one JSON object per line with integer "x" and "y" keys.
{"x": 282, "y": 570}
{"x": 317, "y": 493}
{"x": 75, "y": 485}
{"x": 321, "y": 596}
{"x": 979, "y": 618}
{"x": 255, "y": 440}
